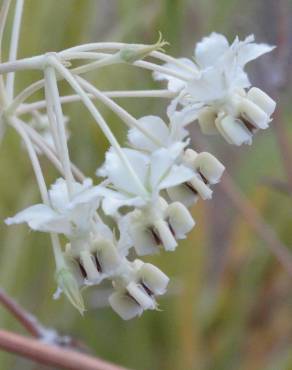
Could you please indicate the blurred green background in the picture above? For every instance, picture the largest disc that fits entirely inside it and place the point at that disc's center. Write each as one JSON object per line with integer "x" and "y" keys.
{"x": 229, "y": 304}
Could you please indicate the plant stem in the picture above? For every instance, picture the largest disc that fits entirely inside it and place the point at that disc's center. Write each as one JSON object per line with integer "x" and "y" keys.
{"x": 14, "y": 46}
{"x": 28, "y": 321}
{"x": 51, "y": 355}
{"x": 165, "y": 94}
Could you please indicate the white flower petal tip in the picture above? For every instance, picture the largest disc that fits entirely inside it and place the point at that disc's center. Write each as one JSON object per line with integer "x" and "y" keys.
{"x": 165, "y": 235}
{"x": 90, "y": 266}
{"x": 209, "y": 167}
{"x": 153, "y": 279}
{"x": 206, "y": 120}
{"x": 210, "y": 48}
{"x": 126, "y": 307}
{"x": 140, "y": 295}
{"x": 183, "y": 194}
{"x": 107, "y": 255}
{"x": 262, "y": 100}
{"x": 252, "y": 115}
{"x": 233, "y": 130}
{"x": 180, "y": 219}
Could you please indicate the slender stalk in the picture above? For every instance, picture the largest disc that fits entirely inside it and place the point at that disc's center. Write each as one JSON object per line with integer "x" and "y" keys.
{"x": 14, "y": 46}
{"x": 255, "y": 221}
{"x": 122, "y": 113}
{"x": 99, "y": 120}
{"x": 53, "y": 94}
{"x": 51, "y": 355}
{"x": 3, "y": 19}
{"x": 164, "y": 94}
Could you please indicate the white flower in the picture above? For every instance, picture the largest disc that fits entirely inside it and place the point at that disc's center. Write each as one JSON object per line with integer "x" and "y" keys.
{"x": 136, "y": 289}
{"x": 216, "y": 94}
{"x": 66, "y": 215}
{"x": 154, "y": 173}
{"x": 159, "y": 226}
{"x": 207, "y": 171}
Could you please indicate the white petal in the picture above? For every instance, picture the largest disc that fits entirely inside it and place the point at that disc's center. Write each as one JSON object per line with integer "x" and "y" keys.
{"x": 153, "y": 124}
{"x": 210, "y": 49}
{"x": 89, "y": 265}
{"x": 165, "y": 234}
{"x": 264, "y": 101}
{"x": 182, "y": 194}
{"x": 41, "y": 218}
{"x": 234, "y": 131}
{"x": 206, "y": 119}
{"x": 153, "y": 278}
{"x": 250, "y": 51}
{"x": 177, "y": 175}
{"x": 107, "y": 255}
{"x": 180, "y": 219}
{"x": 204, "y": 190}
{"x": 143, "y": 240}
{"x": 253, "y": 114}
{"x": 139, "y": 294}
{"x": 125, "y": 306}
{"x": 119, "y": 175}
{"x": 209, "y": 167}
{"x": 210, "y": 86}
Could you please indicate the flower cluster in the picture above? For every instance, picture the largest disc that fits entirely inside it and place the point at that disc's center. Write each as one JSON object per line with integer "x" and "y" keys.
{"x": 142, "y": 202}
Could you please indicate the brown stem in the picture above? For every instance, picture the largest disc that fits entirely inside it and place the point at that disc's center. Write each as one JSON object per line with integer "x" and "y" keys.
{"x": 28, "y": 321}
{"x": 254, "y": 219}
{"x": 51, "y": 355}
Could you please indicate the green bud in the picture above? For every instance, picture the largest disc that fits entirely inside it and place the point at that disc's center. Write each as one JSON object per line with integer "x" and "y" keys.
{"x": 67, "y": 282}
{"x": 132, "y": 53}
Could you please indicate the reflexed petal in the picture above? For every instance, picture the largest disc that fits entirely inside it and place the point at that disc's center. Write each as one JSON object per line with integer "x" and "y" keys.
{"x": 176, "y": 176}
{"x": 125, "y": 306}
{"x": 261, "y": 99}
{"x": 210, "y": 49}
{"x": 41, "y": 218}
{"x": 180, "y": 219}
{"x": 206, "y": 120}
{"x": 139, "y": 295}
{"x": 118, "y": 174}
{"x": 153, "y": 124}
{"x": 165, "y": 234}
{"x": 182, "y": 194}
{"x": 209, "y": 167}
{"x": 234, "y": 131}
{"x": 254, "y": 114}
{"x": 153, "y": 278}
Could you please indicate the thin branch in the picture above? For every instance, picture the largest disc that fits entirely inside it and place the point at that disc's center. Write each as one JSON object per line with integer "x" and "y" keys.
{"x": 14, "y": 46}
{"x": 256, "y": 222}
{"x": 164, "y": 94}
{"x": 51, "y": 355}
{"x": 28, "y": 321}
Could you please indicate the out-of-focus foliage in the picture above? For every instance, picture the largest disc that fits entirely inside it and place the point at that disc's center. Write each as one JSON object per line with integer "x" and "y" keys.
{"x": 229, "y": 303}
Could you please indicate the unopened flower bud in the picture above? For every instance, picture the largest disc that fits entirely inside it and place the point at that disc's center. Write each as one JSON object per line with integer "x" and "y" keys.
{"x": 68, "y": 284}
{"x": 132, "y": 53}
{"x": 233, "y": 130}
{"x": 262, "y": 100}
